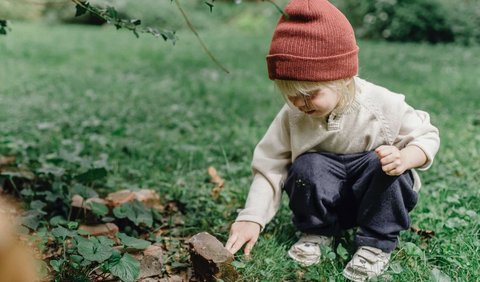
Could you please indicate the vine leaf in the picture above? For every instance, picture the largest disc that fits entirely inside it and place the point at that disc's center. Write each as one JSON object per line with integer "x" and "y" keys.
{"x": 132, "y": 242}
{"x": 127, "y": 268}
{"x": 135, "y": 212}
{"x": 98, "y": 209}
{"x": 92, "y": 250}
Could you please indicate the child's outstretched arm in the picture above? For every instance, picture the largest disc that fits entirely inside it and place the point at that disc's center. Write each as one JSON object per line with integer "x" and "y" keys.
{"x": 396, "y": 162}
{"x": 243, "y": 232}
{"x": 271, "y": 158}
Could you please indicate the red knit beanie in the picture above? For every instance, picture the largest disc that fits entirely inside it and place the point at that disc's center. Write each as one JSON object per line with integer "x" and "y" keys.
{"x": 315, "y": 43}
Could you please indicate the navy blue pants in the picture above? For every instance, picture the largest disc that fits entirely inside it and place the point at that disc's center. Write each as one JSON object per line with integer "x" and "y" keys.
{"x": 330, "y": 193}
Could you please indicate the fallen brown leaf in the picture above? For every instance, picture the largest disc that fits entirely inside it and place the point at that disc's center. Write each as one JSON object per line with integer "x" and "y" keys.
{"x": 148, "y": 197}
{"x": 7, "y": 160}
{"x": 217, "y": 180}
{"x": 424, "y": 233}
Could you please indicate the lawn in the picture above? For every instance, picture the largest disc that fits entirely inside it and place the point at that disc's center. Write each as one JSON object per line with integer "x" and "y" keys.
{"x": 159, "y": 115}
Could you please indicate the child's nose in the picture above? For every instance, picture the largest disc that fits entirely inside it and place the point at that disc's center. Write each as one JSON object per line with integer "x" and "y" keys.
{"x": 298, "y": 102}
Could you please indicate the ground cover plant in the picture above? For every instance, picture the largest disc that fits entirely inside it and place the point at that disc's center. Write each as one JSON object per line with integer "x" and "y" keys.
{"x": 157, "y": 116}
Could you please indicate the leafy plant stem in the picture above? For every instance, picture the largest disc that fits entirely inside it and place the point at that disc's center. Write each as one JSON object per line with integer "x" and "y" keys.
{"x": 95, "y": 268}
{"x": 64, "y": 250}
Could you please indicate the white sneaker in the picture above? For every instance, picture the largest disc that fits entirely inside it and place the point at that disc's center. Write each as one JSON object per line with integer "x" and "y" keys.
{"x": 307, "y": 249}
{"x": 366, "y": 263}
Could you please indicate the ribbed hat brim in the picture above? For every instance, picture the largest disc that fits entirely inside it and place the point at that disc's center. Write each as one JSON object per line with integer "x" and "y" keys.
{"x": 289, "y": 67}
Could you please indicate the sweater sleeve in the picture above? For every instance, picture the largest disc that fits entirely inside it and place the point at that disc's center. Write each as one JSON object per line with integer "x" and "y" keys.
{"x": 416, "y": 129}
{"x": 271, "y": 158}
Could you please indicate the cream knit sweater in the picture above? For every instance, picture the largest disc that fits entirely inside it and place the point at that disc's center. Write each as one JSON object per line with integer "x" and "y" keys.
{"x": 376, "y": 117}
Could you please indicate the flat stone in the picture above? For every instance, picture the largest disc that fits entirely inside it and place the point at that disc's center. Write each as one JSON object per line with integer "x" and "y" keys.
{"x": 148, "y": 197}
{"x": 151, "y": 262}
{"x": 210, "y": 260}
{"x": 107, "y": 229}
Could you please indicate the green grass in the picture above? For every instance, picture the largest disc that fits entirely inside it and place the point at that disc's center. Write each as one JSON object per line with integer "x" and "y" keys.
{"x": 162, "y": 114}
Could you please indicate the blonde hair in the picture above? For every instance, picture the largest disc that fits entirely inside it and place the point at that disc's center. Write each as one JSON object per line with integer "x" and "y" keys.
{"x": 343, "y": 87}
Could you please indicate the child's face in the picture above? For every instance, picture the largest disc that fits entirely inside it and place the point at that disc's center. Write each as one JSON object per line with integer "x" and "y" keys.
{"x": 319, "y": 103}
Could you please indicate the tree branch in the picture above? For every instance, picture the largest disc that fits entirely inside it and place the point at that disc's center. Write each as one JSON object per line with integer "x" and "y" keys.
{"x": 194, "y": 31}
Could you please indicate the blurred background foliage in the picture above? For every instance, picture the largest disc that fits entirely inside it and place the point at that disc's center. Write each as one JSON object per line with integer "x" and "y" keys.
{"x": 415, "y": 20}
{"x": 434, "y": 21}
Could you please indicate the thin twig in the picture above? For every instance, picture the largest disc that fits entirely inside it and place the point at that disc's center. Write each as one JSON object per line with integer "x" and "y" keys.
{"x": 192, "y": 29}
{"x": 278, "y": 8}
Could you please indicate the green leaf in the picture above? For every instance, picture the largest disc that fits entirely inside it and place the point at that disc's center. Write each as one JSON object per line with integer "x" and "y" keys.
{"x": 439, "y": 276}
{"x": 98, "y": 209}
{"x": 58, "y": 220}
{"x": 127, "y": 268}
{"x": 62, "y": 232}
{"x": 105, "y": 241}
{"x": 111, "y": 12}
{"x": 123, "y": 211}
{"x": 331, "y": 256}
{"x": 327, "y": 252}
{"x": 238, "y": 264}
{"x": 83, "y": 232}
{"x": 81, "y": 9}
{"x": 31, "y": 219}
{"x": 37, "y": 205}
{"x": 94, "y": 251}
{"x": 91, "y": 175}
{"x": 396, "y": 267}
{"x": 85, "y": 263}
{"x": 412, "y": 249}
{"x": 135, "y": 212}
{"x": 57, "y": 264}
{"x": 169, "y": 35}
{"x": 342, "y": 252}
{"x": 27, "y": 192}
{"x": 84, "y": 191}
{"x": 133, "y": 242}
{"x": 76, "y": 258}
{"x": 72, "y": 225}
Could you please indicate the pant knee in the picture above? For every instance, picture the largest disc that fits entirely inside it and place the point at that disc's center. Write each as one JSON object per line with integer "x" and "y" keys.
{"x": 307, "y": 165}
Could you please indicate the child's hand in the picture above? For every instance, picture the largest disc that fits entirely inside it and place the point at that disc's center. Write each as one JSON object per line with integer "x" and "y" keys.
{"x": 391, "y": 160}
{"x": 242, "y": 232}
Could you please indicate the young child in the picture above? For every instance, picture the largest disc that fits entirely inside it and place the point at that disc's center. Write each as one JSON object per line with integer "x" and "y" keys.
{"x": 342, "y": 148}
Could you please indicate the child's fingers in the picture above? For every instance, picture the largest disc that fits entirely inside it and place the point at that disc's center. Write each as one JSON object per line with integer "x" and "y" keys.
{"x": 388, "y": 159}
{"x": 230, "y": 242}
{"x": 389, "y": 167}
{"x": 249, "y": 246}
{"x": 383, "y": 151}
{"x": 237, "y": 245}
